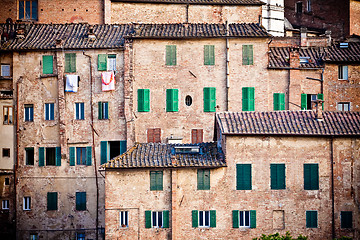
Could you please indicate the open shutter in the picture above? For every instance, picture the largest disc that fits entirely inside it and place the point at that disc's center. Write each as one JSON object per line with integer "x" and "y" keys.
{"x": 52, "y": 200}
{"x": 166, "y": 219}
{"x": 58, "y": 156}
{"x": 213, "y": 218}
{"x": 303, "y": 101}
{"x": 106, "y": 110}
{"x": 252, "y": 218}
{"x": 195, "y": 218}
{"x": 72, "y": 156}
{"x": 235, "y": 217}
{"x": 100, "y": 115}
{"x": 122, "y": 146}
{"x": 206, "y": 179}
{"x": 41, "y": 156}
{"x": 147, "y": 219}
{"x": 88, "y": 156}
{"x": 103, "y": 150}
{"x": 102, "y": 62}
{"x": 47, "y": 64}
{"x": 320, "y": 96}
{"x": 251, "y": 99}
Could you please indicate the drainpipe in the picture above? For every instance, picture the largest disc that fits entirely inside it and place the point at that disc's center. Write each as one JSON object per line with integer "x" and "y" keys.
{"x": 93, "y": 146}
{"x": 332, "y": 188}
{"x": 227, "y": 68}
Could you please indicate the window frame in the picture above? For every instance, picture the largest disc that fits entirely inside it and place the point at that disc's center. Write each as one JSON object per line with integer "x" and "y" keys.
{"x": 5, "y": 204}
{"x": 50, "y": 156}
{"x": 80, "y": 236}
{"x": 247, "y": 54}
{"x": 5, "y": 151}
{"x": 49, "y": 111}
{"x": 209, "y": 55}
{"x": 157, "y": 215}
{"x": 299, "y": 7}
{"x": 103, "y": 108}
{"x": 5, "y": 68}
{"x": 124, "y": 219}
{"x": 28, "y": 112}
{"x": 47, "y": 64}
{"x": 80, "y": 204}
{"x": 279, "y": 101}
{"x": 79, "y": 111}
{"x": 311, "y": 216}
{"x": 248, "y": 99}
{"x": 27, "y": 203}
{"x": 209, "y": 99}
{"x": 70, "y": 63}
{"x": 342, "y": 105}
{"x": 308, "y": 6}
{"x": 52, "y": 206}
{"x": 143, "y": 98}
{"x": 172, "y": 100}
{"x": 343, "y": 72}
{"x": 7, "y": 181}
{"x": 8, "y": 115}
{"x": 204, "y": 216}
{"x": 277, "y": 182}
{"x": 27, "y": 149}
{"x": 309, "y": 183}
{"x": 29, "y": 12}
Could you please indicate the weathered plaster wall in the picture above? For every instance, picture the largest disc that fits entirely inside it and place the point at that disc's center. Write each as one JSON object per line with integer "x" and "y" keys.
{"x": 354, "y": 17}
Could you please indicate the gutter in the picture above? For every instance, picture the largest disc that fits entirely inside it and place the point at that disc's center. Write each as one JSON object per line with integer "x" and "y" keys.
{"x": 332, "y": 188}
{"x": 227, "y": 67}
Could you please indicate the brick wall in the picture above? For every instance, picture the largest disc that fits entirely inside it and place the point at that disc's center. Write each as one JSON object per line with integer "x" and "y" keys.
{"x": 354, "y": 17}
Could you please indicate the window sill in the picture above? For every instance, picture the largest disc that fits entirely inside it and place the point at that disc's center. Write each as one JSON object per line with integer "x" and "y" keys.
{"x": 343, "y": 79}
{"x": 48, "y": 75}
{"x": 6, "y": 78}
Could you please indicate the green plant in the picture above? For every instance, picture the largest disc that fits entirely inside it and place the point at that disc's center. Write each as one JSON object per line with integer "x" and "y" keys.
{"x": 277, "y": 236}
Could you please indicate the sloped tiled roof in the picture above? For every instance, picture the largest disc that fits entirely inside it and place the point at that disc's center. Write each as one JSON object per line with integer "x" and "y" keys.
{"x": 289, "y": 123}
{"x": 203, "y": 2}
{"x": 159, "y": 155}
{"x": 202, "y": 30}
{"x": 349, "y": 54}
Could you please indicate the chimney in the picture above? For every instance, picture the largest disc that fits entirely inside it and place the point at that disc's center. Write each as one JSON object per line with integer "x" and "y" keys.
{"x": 294, "y": 59}
{"x": 328, "y": 35}
{"x": 91, "y": 34}
{"x": 318, "y": 107}
{"x": 303, "y": 37}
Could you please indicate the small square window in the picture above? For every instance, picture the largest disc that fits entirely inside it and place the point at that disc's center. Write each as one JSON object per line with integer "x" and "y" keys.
{"x": 124, "y": 219}
{"x": 6, "y": 152}
{"x": 27, "y": 203}
{"x": 29, "y": 156}
{"x": 8, "y": 115}
{"x": 7, "y": 181}
{"x": 5, "y": 204}
{"x": 343, "y": 106}
{"x": 5, "y": 70}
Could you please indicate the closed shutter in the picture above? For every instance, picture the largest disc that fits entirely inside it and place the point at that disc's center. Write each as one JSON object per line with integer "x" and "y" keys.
{"x": 209, "y": 55}
{"x": 279, "y": 101}
{"x": 102, "y": 62}
{"x": 303, "y": 101}
{"x": 81, "y": 201}
{"x": 103, "y": 151}
{"x": 153, "y": 183}
{"x": 143, "y": 100}
{"x": 166, "y": 219}
{"x": 235, "y": 217}
{"x": 209, "y": 99}
{"x": 122, "y": 146}
{"x": 58, "y": 156}
{"x": 171, "y": 55}
{"x": 200, "y": 179}
{"x": 346, "y": 219}
{"x": 100, "y": 114}
{"x": 247, "y": 54}
{"x": 277, "y": 172}
{"x": 154, "y": 135}
{"x": 88, "y": 156}
{"x": 252, "y": 218}
{"x": 195, "y": 218}
{"x": 48, "y": 64}
{"x": 172, "y": 100}
{"x": 248, "y": 99}
{"x": 147, "y": 219}
{"x": 106, "y": 110}
{"x": 213, "y": 218}
{"x": 196, "y": 136}
{"x": 72, "y": 156}
{"x": 311, "y": 176}
{"x": 70, "y": 62}
{"x": 41, "y": 156}
{"x": 311, "y": 219}
{"x": 52, "y": 200}
{"x": 243, "y": 177}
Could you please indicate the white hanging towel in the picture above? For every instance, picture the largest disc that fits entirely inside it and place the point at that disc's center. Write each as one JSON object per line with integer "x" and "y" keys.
{"x": 108, "y": 81}
{"x": 71, "y": 83}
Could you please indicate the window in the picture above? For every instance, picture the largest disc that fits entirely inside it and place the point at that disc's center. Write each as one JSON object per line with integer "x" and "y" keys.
{"x": 170, "y": 55}
{"x": 298, "y": 7}
{"x": 70, "y": 62}
{"x": 29, "y": 156}
{"x": 28, "y": 10}
{"x": 29, "y": 112}
{"x": 311, "y": 219}
{"x": 34, "y": 236}
{"x": 154, "y": 135}
{"x": 346, "y": 219}
{"x": 5, "y": 70}
{"x": 196, "y": 136}
{"x": 209, "y": 55}
{"x": 343, "y": 106}
{"x": 203, "y": 218}
{"x": 7, "y": 181}
{"x": 156, "y": 180}
{"x": 307, "y": 99}
{"x": 247, "y": 55}
{"x": 209, "y": 99}
{"x": 52, "y": 201}
{"x": 124, "y": 219}
{"x": 343, "y": 72}
{"x": 81, "y": 201}
{"x": 107, "y": 62}
{"x": 50, "y": 155}
{"x": 8, "y": 115}
{"x": 279, "y": 101}
{"x": 79, "y": 111}
{"x": 243, "y": 177}
{"x": 311, "y": 176}
{"x": 5, "y": 204}
{"x": 111, "y": 149}
{"x": 248, "y": 99}
{"x": 277, "y": 175}
{"x": 157, "y": 219}
{"x": 80, "y": 155}
{"x": 103, "y": 110}
{"x": 6, "y": 152}
{"x": 203, "y": 179}
{"x": 143, "y": 100}
{"x": 309, "y": 6}
{"x": 49, "y": 111}
{"x": 27, "y": 203}
{"x": 48, "y": 67}
{"x": 188, "y": 100}
{"x": 244, "y": 219}
{"x": 80, "y": 236}
{"x": 172, "y": 100}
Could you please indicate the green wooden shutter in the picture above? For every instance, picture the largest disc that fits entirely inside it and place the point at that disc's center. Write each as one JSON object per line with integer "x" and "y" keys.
{"x": 307, "y": 181}
{"x": 213, "y": 218}
{"x": 279, "y": 101}
{"x": 248, "y": 99}
{"x": 252, "y": 218}
{"x": 172, "y": 100}
{"x": 200, "y": 179}
{"x": 153, "y": 186}
{"x": 247, "y": 55}
{"x": 103, "y": 150}
{"x": 235, "y": 217}
{"x": 41, "y": 156}
{"x": 303, "y": 101}
{"x": 146, "y": 100}
{"x": 52, "y": 201}
{"x": 100, "y": 114}
{"x": 81, "y": 201}
{"x": 147, "y": 219}
{"x": 58, "y": 156}
{"x": 48, "y": 64}
{"x": 195, "y": 218}
{"x": 273, "y": 176}
{"x": 70, "y": 62}
{"x": 106, "y": 110}
{"x": 243, "y": 177}
{"x": 159, "y": 180}
{"x": 277, "y": 174}
{"x": 311, "y": 219}
{"x": 209, "y": 99}
{"x": 314, "y": 173}
{"x": 123, "y": 144}
{"x": 320, "y": 96}
{"x": 102, "y": 62}
{"x": 171, "y": 55}
{"x": 206, "y": 178}
{"x": 143, "y": 100}
{"x": 88, "y": 156}
{"x": 72, "y": 156}
{"x": 251, "y": 99}
{"x": 166, "y": 219}
{"x": 209, "y": 55}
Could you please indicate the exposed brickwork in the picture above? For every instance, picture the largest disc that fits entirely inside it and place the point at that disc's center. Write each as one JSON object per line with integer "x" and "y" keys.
{"x": 354, "y": 17}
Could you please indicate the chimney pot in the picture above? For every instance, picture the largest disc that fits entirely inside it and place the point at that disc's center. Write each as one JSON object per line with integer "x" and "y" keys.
{"x": 318, "y": 109}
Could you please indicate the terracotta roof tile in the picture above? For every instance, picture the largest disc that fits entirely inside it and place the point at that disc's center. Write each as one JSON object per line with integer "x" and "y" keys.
{"x": 160, "y": 155}
{"x": 289, "y": 123}
{"x": 203, "y": 2}
{"x": 348, "y": 54}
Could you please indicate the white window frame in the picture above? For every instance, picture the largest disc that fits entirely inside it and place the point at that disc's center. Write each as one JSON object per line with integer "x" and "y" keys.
{"x": 308, "y": 6}
{"x": 343, "y": 72}
{"x": 48, "y": 111}
{"x": 124, "y": 219}
{"x": 28, "y": 107}
{"x": 296, "y": 7}
{"x": 5, "y": 204}
{"x": 242, "y": 218}
{"x": 27, "y": 203}
{"x": 341, "y": 106}
{"x": 203, "y": 216}
{"x": 5, "y": 70}
{"x": 78, "y": 108}
{"x": 111, "y": 63}
{"x": 157, "y": 214}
